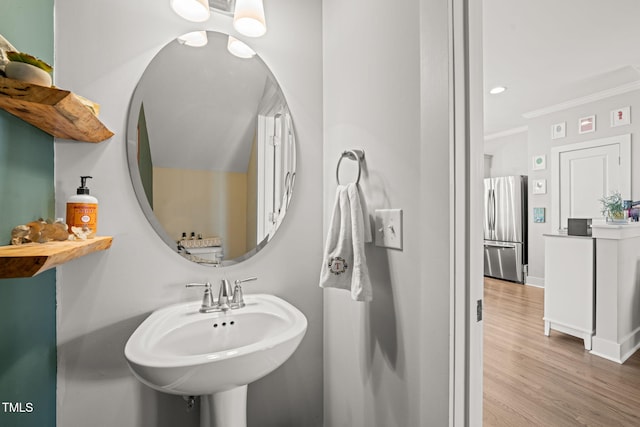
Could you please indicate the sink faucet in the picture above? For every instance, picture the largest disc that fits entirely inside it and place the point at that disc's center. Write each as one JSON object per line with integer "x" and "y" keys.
{"x": 224, "y": 295}
{"x": 227, "y": 299}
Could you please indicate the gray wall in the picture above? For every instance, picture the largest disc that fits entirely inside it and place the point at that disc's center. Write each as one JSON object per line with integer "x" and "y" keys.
{"x": 102, "y": 48}
{"x": 540, "y": 142}
{"x": 509, "y": 155}
{"x": 385, "y": 90}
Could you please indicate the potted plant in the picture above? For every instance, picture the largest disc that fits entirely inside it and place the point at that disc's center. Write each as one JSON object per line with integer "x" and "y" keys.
{"x": 612, "y": 207}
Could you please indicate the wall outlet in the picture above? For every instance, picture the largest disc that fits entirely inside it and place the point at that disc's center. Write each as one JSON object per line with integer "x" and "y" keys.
{"x": 388, "y": 226}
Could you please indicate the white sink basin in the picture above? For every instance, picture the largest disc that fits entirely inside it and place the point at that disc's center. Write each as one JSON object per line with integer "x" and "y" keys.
{"x": 179, "y": 350}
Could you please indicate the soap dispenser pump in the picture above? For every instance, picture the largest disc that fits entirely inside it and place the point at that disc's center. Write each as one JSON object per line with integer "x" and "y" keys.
{"x": 82, "y": 211}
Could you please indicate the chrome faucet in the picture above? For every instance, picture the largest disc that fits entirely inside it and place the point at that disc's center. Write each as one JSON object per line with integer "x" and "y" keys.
{"x": 227, "y": 299}
{"x": 224, "y": 295}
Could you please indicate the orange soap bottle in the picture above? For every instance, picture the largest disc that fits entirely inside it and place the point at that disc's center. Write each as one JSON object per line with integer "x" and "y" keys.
{"x": 82, "y": 210}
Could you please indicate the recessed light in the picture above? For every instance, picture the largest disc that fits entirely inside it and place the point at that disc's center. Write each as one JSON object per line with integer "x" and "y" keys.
{"x": 496, "y": 90}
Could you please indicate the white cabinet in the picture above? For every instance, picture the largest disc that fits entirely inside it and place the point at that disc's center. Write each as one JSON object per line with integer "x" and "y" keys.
{"x": 569, "y": 286}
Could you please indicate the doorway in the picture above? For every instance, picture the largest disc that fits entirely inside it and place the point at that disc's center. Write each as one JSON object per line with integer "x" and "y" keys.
{"x": 565, "y": 56}
{"x": 582, "y": 173}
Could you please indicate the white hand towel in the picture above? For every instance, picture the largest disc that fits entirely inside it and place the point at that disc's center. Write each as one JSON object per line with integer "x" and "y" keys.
{"x": 345, "y": 265}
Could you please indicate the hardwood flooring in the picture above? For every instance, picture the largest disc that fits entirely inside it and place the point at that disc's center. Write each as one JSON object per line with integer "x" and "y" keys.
{"x": 534, "y": 380}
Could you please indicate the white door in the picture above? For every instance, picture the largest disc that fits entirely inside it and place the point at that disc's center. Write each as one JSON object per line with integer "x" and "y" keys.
{"x": 586, "y": 172}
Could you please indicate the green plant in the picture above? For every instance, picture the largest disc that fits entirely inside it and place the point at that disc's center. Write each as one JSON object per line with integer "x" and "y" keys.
{"x": 29, "y": 59}
{"x": 612, "y": 205}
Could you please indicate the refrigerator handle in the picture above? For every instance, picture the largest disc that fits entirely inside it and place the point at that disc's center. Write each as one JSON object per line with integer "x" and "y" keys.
{"x": 492, "y": 203}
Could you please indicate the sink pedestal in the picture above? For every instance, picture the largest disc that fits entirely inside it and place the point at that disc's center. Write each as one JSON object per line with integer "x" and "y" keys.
{"x": 224, "y": 409}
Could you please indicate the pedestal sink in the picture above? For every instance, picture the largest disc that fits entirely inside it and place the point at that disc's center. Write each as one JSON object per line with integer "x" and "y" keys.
{"x": 179, "y": 350}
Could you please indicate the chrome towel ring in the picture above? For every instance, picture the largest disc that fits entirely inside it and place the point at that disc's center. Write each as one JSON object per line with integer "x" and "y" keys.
{"x": 355, "y": 154}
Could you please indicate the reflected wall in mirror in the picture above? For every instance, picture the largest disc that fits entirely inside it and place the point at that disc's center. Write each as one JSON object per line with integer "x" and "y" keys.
{"x": 211, "y": 151}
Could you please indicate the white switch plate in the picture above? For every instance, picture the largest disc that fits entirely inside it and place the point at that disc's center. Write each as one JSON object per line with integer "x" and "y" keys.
{"x": 388, "y": 227}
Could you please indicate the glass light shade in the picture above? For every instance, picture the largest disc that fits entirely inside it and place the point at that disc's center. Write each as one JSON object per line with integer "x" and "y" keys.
{"x": 239, "y": 49}
{"x": 192, "y": 10}
{"x": 248, "y": 18}
{"x": 194, "y": 39}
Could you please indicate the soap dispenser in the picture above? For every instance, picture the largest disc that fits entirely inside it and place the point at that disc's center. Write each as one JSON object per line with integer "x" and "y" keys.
{"x": 82, "y": 210}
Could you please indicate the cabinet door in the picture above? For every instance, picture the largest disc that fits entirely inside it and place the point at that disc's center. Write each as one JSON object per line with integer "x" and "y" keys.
{"x": 568, "y": 283}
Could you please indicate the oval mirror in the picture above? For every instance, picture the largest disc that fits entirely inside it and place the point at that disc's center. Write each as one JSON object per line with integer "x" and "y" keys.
{"x": 211, "y": 151}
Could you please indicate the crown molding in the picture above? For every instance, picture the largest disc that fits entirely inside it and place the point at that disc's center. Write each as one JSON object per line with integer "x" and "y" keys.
{"x": 508, "y": 132}
{"x": 618, "y": 90}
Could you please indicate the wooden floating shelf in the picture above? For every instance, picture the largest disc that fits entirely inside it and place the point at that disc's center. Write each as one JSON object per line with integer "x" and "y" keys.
{"x": 58, "y": 112}
{"x": 30, "y": 259}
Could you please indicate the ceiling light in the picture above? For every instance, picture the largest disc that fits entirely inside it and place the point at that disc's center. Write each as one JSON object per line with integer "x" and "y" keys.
{"x": 248, "y": 18}
{"x": 496, "y": 90}
{"x": 194, "y": 39}
{"x": 239, "y": 49}
{"x": 192, "y": 10}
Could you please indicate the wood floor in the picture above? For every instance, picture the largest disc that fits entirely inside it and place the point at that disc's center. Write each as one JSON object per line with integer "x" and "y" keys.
{"x": 534, "y": 380}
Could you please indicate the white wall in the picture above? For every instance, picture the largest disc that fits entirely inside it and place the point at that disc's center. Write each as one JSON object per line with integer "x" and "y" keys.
{"x": 540, "y": 142}
{"x": 101, "y": 50}
{"x": 386, "y": 91}
{"x": 509, "y": 154}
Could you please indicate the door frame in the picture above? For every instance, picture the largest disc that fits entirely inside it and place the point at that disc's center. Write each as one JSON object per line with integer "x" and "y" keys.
{"x": 625, "y": 162}
{"x": 467, "y": 288}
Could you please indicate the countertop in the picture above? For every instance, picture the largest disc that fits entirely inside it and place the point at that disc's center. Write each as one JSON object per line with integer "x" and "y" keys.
{"x": 566, "y": 235}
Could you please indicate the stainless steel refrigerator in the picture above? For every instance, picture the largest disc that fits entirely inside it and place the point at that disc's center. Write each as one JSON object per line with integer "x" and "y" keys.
{"x": 505, "y": 227}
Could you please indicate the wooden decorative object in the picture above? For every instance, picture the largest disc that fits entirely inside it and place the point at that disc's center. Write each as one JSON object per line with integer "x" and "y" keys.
{"x": 58, "y": 112}
{"x": 33, "y": 258}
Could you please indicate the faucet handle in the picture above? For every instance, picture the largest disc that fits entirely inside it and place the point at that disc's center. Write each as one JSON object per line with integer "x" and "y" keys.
{"x": 238, "y": 297}
{"x": 207, "y": 298}
{"x": 193, "y": 285}
{"x": 248, "y": 279}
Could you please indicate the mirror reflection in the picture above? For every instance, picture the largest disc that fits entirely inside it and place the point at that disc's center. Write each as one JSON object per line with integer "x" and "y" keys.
{"x": 211, "y": 151}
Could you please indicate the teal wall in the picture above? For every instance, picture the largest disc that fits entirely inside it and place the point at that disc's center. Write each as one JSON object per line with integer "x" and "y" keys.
{"x": 27, "y": 306}
{"x": 145, "y": 162}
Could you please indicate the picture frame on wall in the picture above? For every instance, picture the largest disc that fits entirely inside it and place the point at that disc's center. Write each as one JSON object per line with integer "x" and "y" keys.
{"x": 621, "y": 116}
{"x": 587, "y": 124}
{"x": 539, "y": 162}
{"x": 538, "y": 215}
{"x": 559, "y": 130}
{"x": 539, "y": 186}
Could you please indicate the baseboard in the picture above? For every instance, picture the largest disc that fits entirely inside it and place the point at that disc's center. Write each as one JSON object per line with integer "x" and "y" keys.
{"x": 617, "y": 352}
{"x": 606, "y": 349}
{"x": 538, "y": 282}
{"x": 630, "y": 344}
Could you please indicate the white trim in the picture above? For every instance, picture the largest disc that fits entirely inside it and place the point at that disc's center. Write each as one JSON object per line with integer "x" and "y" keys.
{"x": 630, "y": 344}
{"x": 625, "y": 162}
{"x": 597, "y": 96}
{"x": 606, "y": 349}
{"x": 537, "y": 282}
{"x": 467, "y": 169}
{"x": 508, "y": 132}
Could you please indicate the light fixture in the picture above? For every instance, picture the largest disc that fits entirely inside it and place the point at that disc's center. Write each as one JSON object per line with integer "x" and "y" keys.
{"x": 239, "y": 49}
{"x": 194, "y": 39}
{"x": 496, "y": 90}
{"x": 192, "y": 10}
{"x": 248, "y": 18}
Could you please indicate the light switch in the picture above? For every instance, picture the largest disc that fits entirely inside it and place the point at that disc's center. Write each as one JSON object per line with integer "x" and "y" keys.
{"x": 388, "y": 227}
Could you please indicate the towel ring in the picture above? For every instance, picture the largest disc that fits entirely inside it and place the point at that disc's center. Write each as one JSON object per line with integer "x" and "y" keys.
{"x": 355, "y": 154}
